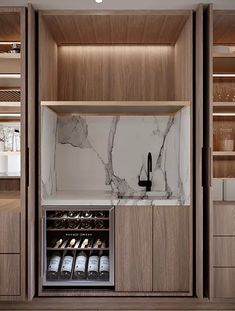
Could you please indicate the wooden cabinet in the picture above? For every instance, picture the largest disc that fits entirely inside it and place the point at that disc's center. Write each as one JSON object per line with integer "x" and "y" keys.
{"x": 133, "y": 244}
{"x": 10, "y": 275}
{"x": 223, "y": 245}
{"x": 153, "y": 249}
{"x": 10, "y": 230}
{"x": 171, "y": 249}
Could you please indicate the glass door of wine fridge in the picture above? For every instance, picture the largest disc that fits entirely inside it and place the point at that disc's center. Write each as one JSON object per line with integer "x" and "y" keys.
{"x": 77, "y": 246}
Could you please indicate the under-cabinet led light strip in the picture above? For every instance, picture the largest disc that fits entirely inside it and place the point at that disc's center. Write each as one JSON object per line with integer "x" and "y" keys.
{"x": 10, "y": 75}
{"x": 223, "y": 75}
{"x": 224, "y": 114}
{"x": 9, "y": 114}
{"x": 9, "y": 42}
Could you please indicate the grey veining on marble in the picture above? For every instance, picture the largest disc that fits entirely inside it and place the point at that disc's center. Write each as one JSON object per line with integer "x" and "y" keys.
{"x": 48, "y": 151}
{"x": 105, "y": 153}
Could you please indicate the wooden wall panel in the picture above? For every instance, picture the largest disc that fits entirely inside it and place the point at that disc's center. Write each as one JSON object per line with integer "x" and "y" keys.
{"x": 9, "y": 184}
{"x": 224, "y": 218}
{"x": 133, "y": 248}
{"x": 47, "y": 64}
{"x": 184, "y": 63}
{"x": 9, "y": 275}
{"x": 224, "y": 282}
{"x": 171, "y": 249}
{"x": 224, "y": 27}
{"x": 10, "y": 25}
{"x": 224, "y": 251}
{"x": 120, "y": 27}
{"x": 116, "y": 73}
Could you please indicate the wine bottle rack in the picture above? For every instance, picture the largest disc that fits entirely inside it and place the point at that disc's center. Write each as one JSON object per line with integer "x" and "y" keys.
{"x": 58, "y": 240}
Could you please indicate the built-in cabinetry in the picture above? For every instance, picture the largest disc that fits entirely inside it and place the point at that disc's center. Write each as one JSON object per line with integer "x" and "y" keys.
{"x": 100, "y": 88}
{"x": 156, "y": 258}
{"x": 221, "y": 140}
{"x": 12, "y": 154}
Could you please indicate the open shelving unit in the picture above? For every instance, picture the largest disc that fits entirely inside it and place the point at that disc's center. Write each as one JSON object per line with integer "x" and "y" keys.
{"x": 116, "y": 107}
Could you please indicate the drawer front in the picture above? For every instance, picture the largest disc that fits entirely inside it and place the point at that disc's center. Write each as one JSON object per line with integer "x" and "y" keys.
{"x": 224, "y": 282}
{"x": 224, "y": 219}
{"x": 9, "y": 274}
{"x": 10, "y": 232}
{"x": 224, "y": 251}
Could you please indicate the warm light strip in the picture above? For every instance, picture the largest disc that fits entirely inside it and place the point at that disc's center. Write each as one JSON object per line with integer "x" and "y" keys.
{"x": 9, "y": 42}
{"x": 10, "y": 75}
{"x": 224, "y": 114}
{"x": 9, "y": 114}
{"x": 223, "y": 75}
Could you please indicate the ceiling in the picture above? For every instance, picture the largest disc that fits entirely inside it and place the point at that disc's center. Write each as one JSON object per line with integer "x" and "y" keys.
{"x": 118, "y": 4}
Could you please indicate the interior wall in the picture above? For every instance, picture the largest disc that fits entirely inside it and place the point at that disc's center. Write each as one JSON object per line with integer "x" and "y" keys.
{"x": 94, "y": 72}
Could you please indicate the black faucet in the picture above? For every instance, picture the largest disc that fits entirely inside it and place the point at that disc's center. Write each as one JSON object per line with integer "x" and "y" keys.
{"x": 147, "y": 183}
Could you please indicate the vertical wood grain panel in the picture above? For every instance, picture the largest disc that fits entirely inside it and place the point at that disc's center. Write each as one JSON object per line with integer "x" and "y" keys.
{"x": 133, "y": 245}
{"x": 224, "y": 282}
{"x": 47, "y": 63}
{"x": 184, "y": 63}
{"x": 31, "y": 245}
{"x": 171, "y": 249}
{"x": 224, "y": 219}
{"x": 198, "y": 139}
{"x": 10, "y": 227}
{"x": 116, "y": 73}
{"x": 9, "y": 275}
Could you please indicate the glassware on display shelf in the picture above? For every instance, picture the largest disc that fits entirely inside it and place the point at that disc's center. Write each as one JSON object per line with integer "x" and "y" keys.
{"x": 226, "y": 139}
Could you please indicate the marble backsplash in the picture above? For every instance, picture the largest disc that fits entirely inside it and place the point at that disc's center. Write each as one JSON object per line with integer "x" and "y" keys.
{"x": 108, "y": 153}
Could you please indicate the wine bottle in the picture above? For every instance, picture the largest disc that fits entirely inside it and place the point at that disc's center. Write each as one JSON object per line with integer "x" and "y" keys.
{"x": 99, "y": 224}
{"x": 104, "y": 266}
{"x": 99, "y": 214}
{"x": 93, "y": 266}
{"x": 97, "y": 243}
{"x": 78, "y": 242}
{"x": 86, "y": 224}
{"x": 71, "y": 243}
{"x": 84, "y": 243}
{"x": 58, "y": 214}
{"x": 60, "y": 224}
{"x": 86, "y": 214}
{"x": 80, "y": 266}
{"x": 90, "y": 243}
{"x": 72, "y": 223}
{"x": 53, "y": 267}
{"x": 67, "y": 265}
{"x": 58, "y": 243}
{"x": 72, "y": 214}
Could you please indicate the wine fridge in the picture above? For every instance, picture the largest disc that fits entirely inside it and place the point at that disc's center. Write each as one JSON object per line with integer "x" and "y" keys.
{"x": 77, "y": 246}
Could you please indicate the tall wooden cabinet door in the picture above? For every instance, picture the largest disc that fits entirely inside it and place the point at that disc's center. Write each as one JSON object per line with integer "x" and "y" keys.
{"x": 31, "y": 145}
{"x": 208, "y": 148}
{"x": 172, "y": 268}
{"x": 133, "y": 245}
{"x": 198, "y": 145}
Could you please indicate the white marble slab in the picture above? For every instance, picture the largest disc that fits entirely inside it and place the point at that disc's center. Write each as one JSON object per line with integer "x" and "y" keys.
{"x": 101, "y": 198}
{"x": 98, "y": 153}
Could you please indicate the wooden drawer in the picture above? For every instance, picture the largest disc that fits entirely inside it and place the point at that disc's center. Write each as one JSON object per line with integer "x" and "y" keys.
{"x": 9, "y": 274}
{"x": 224, "y": 219}
{"x": 224, "y": 282}
{"x": 9, "y": 231}
{"x": 224, "y": 251}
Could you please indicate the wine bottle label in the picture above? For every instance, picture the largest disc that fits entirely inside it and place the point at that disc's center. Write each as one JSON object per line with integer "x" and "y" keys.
{"x": 104, "y": 263}
{"x": 93, "y": 264}
{"x": 54, "y": 264}
{"x": 67, "y": 264}
{"x": 80, "y": 264}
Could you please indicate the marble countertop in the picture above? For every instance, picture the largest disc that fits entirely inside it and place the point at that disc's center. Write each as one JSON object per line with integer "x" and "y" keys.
{"x": 104, "y": 198}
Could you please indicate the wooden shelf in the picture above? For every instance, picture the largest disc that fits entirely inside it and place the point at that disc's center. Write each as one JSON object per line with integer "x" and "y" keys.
{"x": 9, "y": 55}
{"x": 116, "y": 107}
{"x": 77, "y": 218}
{"x": 223, "y": 55}
{"x": 77, "y": 249}
{"x": 224, "y": 107}
{"x": 9, "y": 153}
{"x": 9, "y": 107}
{"x": 77, "y": 230}
{"x": 224, "y": 153}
